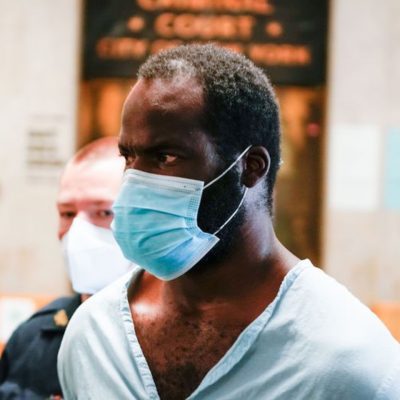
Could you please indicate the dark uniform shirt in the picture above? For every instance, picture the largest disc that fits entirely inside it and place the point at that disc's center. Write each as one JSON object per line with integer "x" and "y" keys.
{"x": 28, "y": 367}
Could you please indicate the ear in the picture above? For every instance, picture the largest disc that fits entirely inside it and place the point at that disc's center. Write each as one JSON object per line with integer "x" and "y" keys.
{"x": 256, "y": 166}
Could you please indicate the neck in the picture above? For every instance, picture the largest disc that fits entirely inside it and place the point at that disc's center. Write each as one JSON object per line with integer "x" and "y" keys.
{"x": 258, "y": 263}
{"x": 84, "y": 296}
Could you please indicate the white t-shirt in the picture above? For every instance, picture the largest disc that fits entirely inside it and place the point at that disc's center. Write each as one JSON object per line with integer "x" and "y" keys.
{"x": 314, "y": 341}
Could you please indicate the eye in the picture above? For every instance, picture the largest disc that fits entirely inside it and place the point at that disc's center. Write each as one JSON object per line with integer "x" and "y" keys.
{"x": 167, "y": 159}
{"x": 67, "y": 214}
{"x": 104, "y": 213}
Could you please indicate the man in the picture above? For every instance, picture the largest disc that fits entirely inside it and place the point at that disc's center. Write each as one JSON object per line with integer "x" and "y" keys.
{"x": 220, "y": 310}
{"x": 89, "y": 184}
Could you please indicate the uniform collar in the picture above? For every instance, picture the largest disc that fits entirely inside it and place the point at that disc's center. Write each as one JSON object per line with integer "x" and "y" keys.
{"x": 59, "y": 319}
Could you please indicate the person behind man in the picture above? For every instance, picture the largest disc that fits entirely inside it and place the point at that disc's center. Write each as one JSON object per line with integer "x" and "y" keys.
{"x": 221, "y": 310}
{"x": 88, "y": 187}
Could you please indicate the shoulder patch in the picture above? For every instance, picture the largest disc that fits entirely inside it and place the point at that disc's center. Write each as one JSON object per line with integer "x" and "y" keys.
{"x": 60, "y": 318}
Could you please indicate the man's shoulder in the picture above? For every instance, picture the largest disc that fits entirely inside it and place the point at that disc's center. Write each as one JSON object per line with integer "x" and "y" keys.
{"x": 100, "y": 320}
{"x": 61, "y": 303}
{"x": 320, "y": 304}
{"x": 341, "y": 337}
{"x": 102, "y": 306}
{"x": 319, "y": 291}
{"x": 46, "y": 317}
{"x": 49, "y": 322}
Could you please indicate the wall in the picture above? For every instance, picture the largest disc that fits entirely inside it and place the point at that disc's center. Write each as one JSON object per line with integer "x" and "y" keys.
{"x": 38, "y": 80}
{"x": 362, "y": 197}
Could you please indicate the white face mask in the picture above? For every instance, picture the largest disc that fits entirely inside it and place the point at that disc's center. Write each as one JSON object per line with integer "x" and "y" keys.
{"x": 93, "y": 257}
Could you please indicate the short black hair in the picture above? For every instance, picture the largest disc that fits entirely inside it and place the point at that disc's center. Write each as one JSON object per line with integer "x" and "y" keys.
{"x": 240, "y": 104}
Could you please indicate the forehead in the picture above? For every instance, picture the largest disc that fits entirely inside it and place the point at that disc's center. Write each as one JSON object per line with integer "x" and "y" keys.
{"x": 154, "y": 105}
{"x": 91, "y": 181}
{"x": 167, "y": 96}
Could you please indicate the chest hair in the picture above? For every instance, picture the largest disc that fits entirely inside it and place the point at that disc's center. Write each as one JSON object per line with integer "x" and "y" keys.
{"x": 180, "y": 351}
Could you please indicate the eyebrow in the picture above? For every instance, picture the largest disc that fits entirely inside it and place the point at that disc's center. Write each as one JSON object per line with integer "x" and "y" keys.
{"x": 94, "y": 203}
{"x": 126, "y": 149}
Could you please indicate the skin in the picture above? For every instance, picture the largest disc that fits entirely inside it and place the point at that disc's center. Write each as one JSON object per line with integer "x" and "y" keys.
{"x": 87, "y": 190}
{"x": 198, "y": 316}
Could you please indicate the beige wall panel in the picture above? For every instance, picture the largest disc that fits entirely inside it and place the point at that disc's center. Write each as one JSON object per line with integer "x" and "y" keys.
{"x": 38, "y": 80}
{"x": 362, "y": 249}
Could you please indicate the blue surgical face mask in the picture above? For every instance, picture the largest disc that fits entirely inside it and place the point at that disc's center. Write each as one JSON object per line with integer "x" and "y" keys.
{"x": 155, "y": 222}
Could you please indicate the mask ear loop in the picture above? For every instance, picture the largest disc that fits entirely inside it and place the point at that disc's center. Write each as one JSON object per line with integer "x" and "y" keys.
{"x": 227, "y": 170}
{"x": 234, "y": 213}
{"x": 245, "y": 192}
{"x": 269, "y": 162}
